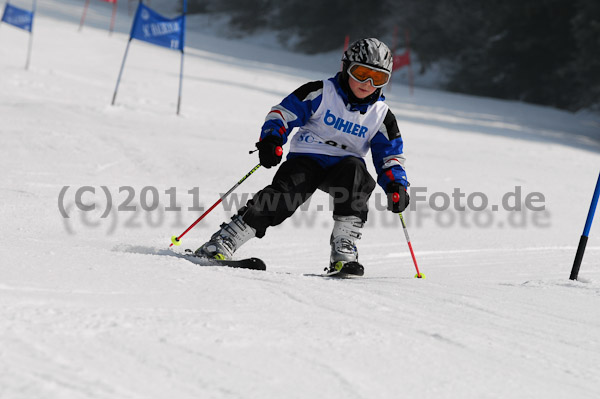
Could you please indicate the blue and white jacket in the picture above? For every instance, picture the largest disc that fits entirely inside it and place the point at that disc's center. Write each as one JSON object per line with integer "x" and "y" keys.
{"x": 331, "y": 127}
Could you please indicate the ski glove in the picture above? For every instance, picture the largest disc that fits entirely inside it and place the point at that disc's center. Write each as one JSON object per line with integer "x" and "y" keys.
{"x": 397, "y": 196}
{"x": 269, "y": 151}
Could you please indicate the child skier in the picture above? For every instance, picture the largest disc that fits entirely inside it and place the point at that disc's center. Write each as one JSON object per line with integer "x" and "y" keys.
{"x": 338, "y": 121}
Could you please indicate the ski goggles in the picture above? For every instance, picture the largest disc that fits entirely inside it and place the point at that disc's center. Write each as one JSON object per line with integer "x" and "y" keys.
{"x": 361, "y": 73}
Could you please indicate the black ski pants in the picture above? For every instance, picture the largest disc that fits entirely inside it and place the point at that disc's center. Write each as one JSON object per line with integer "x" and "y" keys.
{"x": 348, "y": 182}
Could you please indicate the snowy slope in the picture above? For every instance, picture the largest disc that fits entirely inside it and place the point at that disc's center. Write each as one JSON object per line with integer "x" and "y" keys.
{"x": 97, "y": 307}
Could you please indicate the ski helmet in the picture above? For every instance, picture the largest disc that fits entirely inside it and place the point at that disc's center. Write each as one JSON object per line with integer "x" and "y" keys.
{"x": 369, "y": 51}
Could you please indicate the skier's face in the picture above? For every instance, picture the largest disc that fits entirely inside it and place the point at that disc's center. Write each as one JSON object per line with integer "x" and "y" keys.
{"x": 361, "y": 90}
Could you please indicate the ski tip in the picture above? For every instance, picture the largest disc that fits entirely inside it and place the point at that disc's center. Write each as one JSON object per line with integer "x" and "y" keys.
{"x": 258, "y": 264}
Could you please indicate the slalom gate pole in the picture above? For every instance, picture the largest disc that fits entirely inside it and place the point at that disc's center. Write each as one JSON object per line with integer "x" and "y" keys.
{"x": 586, "y": 231}
{"x": 112, "y": 18}
{"x": 121, "y": 71}
{"x": 182, "y": 54}
{"x": 30, "y": 36}
{"x": 175, "y": 240}
{"x": 411, "y": 78}
{"x": 85, "y": 8}
{"x": 180, "y": 83}
{"x": 412, "y": 253}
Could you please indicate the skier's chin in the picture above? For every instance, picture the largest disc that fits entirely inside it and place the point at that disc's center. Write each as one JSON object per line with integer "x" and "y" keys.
{"x": 361, "y": 93}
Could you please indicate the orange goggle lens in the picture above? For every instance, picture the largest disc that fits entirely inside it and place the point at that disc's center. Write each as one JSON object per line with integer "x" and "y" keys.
{"x": 362, "y": 73}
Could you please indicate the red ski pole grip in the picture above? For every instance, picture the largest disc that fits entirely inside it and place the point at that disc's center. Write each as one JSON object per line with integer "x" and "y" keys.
{"x": 278, "y": 151}
{"x": 396, "y": 197}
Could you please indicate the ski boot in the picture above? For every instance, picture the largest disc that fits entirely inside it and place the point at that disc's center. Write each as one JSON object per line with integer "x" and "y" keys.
{"x": 344, "y": 254}
{"x": 227, "y": 240}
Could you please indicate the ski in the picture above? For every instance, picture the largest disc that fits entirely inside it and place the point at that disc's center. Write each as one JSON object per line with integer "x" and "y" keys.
{"x": 338, "y": 275}
{"x": 248, "y": 263}
{"x": 344, "y": 270}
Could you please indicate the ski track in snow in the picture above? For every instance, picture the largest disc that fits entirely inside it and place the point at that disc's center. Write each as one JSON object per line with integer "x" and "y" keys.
{"x": 95, "y": 307}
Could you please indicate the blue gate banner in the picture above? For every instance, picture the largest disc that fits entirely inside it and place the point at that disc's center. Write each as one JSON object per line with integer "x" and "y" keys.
{"x": 18, "y": 17}
{"x": 151, "y": 27}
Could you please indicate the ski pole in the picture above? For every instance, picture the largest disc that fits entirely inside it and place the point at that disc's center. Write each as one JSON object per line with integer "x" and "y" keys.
{"x": 175, "y": 240}
{"x": 412, "y": 253}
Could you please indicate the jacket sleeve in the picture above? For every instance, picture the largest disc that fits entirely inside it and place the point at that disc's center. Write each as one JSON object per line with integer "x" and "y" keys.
{"x": 386, "y": 149}
{"x": 294, "y": 111}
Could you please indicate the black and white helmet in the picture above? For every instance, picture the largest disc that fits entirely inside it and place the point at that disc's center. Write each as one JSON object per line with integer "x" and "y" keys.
{"x": 369, "y": 51}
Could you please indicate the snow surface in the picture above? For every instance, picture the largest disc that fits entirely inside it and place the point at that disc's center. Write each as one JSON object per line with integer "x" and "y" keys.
{"x": 95, "y": 307}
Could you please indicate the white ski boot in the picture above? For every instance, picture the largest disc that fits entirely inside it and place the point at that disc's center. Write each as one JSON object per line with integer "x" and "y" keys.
{"x": 227, "y": 240}
{"x": 344, "y": 254}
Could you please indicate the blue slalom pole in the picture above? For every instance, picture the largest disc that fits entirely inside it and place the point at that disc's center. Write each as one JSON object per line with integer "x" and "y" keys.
{"x": 586, "y": 232}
